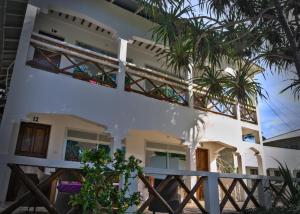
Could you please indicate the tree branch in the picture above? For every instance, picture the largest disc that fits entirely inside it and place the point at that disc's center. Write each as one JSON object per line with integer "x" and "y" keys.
{"x": 293, "y": 43}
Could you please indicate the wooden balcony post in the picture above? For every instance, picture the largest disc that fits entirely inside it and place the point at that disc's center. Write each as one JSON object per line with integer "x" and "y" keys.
{"x": 211, "y": 193}
{"x": 122, "y": 55}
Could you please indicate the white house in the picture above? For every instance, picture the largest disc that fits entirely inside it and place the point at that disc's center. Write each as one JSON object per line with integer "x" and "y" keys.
{"x": 88, "y": 75}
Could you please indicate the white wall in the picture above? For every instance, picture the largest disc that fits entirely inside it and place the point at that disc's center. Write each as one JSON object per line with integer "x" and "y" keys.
{"x": 123, "y": 22}
{"x": 36, "y": 91}
{"x": 59, "y": 125}
{"x": 289, "y": 156}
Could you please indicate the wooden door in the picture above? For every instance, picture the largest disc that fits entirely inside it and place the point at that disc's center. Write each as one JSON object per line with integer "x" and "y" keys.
{"x": 33, "y": 140}
{"x": 201, "y": 165}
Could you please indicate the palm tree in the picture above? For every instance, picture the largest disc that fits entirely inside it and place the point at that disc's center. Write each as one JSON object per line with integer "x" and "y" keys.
{"x": 191, "y": 43}
{"x": 242, "y": 87}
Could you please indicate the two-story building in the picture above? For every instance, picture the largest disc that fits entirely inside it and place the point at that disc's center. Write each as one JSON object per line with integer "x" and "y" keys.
{"x": 88, "y": 75}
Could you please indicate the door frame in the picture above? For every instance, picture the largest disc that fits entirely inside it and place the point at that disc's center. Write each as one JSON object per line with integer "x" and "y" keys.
{"x": 208, "y": 157}
{"x": 200, "y": 190}
{"x": 15, "y": 151}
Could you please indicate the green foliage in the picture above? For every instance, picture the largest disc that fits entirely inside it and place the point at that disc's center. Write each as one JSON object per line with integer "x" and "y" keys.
{"x": 242, "y": 87}
{"x": 274, "y": 210}
{"x": 98, "y": 193}
{"x": 238, "y": 86}
{"x": 213, "y": 32}
{"x": 290, "y": 197}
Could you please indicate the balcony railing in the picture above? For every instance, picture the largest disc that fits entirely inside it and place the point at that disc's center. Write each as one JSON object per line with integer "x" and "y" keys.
{"x": 248, "y": 114}
{"x": 213, "y": 105}
{"x": 156, "y": 84}
{"x": 63, "y": 58}
{"x": 60, "y": 57}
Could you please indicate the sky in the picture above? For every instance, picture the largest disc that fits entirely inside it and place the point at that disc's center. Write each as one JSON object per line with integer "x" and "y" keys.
{"x": 280, "y": 113}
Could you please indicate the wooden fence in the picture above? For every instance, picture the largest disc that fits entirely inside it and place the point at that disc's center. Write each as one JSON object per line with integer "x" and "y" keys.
{"x": 217, "y": 189}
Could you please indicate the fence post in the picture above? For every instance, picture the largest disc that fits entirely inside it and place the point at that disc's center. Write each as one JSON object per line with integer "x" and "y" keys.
{"x": 264, "y": 195}
{"x": 211, "y": 193}
{"x": 133, "y": 187}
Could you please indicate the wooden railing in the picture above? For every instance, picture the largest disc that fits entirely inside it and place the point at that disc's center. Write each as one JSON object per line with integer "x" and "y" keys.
{"x": 60, "y": 57}
{"x": 248, "y": 114}
{"x": 208, "y": 192}
{"x": 156, "y": 85}
{"x": 219, "y": 189}
{"x": 213, "y": 105}
{"x": 63, "y": 58}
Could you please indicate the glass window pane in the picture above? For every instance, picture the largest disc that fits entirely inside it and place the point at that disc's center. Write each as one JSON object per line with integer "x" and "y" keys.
{"x": 156, "y": 159}
{"x": 177, "y": 161}
{"x": 74, "y": 149}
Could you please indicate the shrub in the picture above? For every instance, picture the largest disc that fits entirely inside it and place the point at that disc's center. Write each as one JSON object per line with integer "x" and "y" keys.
{"x": 99, "y": 193}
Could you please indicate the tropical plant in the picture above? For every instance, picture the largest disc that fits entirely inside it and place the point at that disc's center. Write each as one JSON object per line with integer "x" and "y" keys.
{"x": 211, "y": 32}
{"x": 290, "y": 197}
{"x": 237, "y": 87}
{"x": 99, "y": 193}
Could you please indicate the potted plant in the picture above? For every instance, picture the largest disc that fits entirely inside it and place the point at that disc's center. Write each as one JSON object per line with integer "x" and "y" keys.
{"x": 100, "y": 191}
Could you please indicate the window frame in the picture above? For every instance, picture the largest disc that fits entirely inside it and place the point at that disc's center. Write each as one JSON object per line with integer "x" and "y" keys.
{"x": 82, "y": 140}
{"x": 165, "y": 150}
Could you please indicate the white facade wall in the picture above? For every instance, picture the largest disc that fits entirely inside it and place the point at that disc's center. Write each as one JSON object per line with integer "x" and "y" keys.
{"x": 34, "y": 91}
{"x": 289, "y": 157}
{"x": 44, "y": 92}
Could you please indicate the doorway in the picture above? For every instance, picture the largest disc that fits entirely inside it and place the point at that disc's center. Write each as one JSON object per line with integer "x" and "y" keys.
{"x": 33, "y": 140}
{"x": 202, "y": 164}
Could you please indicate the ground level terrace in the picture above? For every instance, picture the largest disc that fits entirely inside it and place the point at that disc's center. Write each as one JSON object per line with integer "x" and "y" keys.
{"x": 163, "y": 190}
{"x": 43, "y": 139}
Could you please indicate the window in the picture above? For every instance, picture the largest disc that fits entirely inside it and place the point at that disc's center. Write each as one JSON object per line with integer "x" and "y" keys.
{"x": 33, "y": 140}
{"x": 78, "y": 141}
{"x": 273, "y": 172}
{"x": 249, "y": 138}
{"x": 297, "y": 173}
{"x": 74, "y": 149}
{"x": 165, "y": 156}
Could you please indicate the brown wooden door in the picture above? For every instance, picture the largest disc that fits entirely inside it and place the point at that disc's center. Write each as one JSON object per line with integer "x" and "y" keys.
{"x": 33, "y": 140}
{"x": 201, "y": 165}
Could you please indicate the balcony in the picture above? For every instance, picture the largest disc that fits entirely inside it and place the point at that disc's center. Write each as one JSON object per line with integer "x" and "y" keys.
{"x": 62, "y": 58}
{"x": 86, "y": 65}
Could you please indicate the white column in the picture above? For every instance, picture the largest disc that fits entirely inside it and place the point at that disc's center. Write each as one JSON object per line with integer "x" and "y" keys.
{"x": 260, "y": 164}
{"x": 238, "y": 162}
{"x": 241, "y": 169}
{"x": 133, "y": 187}
{"x": 7, "y": 126}
{"x": 190, "y": 75}
{"x": 117, "y": 143}
{"x": 238, "y": 111}
{"x": 211, "y": 194}
{"x": 122, "y": 55}
{"x": 213, "y": 161}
